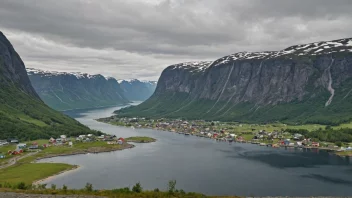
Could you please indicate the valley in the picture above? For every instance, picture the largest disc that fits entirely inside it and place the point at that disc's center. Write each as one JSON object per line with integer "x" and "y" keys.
{"x": 64, "y": 91}
{"x": 175, "y": 99}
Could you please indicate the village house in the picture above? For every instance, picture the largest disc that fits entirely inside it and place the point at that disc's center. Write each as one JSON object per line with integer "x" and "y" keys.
{"x": 315, "y": 144}
{"x": 21, "y": 146}
{"x": 14, "y": 141}
{"x": 3, "y": 142}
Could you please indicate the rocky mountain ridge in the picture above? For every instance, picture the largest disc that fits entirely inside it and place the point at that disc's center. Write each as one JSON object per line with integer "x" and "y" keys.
{"x": 12, "y": 68}
{"x": 137, "y": 90}
{"x": 302, "y": 83}
{"x": 64, "y": 90}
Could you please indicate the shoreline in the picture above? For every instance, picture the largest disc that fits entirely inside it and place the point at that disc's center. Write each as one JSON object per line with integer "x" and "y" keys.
{"x": 88, "y": 151}
{"x": 334, "y": 151}
{"x": 98, "y": 107}
{"x": 74, "y": 167}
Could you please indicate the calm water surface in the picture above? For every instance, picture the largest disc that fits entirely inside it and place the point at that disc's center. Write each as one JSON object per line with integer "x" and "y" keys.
{"x": 203, "y": 165}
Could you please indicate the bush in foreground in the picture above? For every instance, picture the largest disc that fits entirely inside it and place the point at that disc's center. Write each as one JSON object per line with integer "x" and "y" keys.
{"x": 136, "y": 191}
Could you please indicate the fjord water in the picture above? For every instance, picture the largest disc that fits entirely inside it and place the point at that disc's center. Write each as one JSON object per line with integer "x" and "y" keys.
{"x": 203, "y": 165}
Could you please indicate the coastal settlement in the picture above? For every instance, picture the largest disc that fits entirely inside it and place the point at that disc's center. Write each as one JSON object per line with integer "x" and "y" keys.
{"x": 234, "y": 132}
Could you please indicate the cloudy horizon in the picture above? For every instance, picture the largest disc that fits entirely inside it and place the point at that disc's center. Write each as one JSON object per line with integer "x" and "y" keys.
{"x": 129, "y": 39}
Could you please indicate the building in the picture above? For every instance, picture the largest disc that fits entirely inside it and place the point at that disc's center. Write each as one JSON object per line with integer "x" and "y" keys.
{"x": 52, "y": 140}
{"x": 34, "y": 146}
{"x": 21, "y": 146}
{"x": 14, "y": 141}
{"x": 315, "y": 144}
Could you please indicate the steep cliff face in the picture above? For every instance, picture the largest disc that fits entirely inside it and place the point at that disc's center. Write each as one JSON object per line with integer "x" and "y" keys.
{"x": 136, "y": 90}
{"x": 12, "y": 69}
{"x": 61, "y": 90}
{"x": 22, "y": 114}
{"x": 303, "y": 83}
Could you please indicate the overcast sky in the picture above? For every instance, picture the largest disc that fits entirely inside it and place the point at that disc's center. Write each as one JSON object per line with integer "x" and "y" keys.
{"x": 139, "y": 38}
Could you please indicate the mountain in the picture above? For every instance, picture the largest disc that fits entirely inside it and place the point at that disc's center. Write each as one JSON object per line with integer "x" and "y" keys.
{"x": 62, "y": 90}
{"x": 136, "y": 90}
{"x": 308, "y": 83}
{"x": 22, "y": 113}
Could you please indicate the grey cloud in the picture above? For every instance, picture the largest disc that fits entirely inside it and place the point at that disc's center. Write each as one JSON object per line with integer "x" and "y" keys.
{"x": 134, "y": 34}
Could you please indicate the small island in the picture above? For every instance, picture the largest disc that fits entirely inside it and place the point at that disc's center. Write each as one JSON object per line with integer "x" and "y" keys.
{"x": 344, "y": 153}
{"x": 140, "y": 139}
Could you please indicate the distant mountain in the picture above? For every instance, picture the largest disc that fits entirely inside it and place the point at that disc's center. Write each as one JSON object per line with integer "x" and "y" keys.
{"x": 22, "y": 114}
{"x": 136, "y": 90}
{"x": 308, "y": 83}
{"x": 62, "y": 90}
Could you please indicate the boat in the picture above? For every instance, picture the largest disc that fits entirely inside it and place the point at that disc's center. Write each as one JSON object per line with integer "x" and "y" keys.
{"x": 187, "y": 134}
{"x": 262, "y": 144}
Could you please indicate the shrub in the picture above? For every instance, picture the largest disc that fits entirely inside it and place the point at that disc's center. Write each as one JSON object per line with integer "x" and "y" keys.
{"x": 137, "y": 188}
{"x": 182, "y": 192}
{"x": 64, "y": 188}
{"x": 42, "y": 186}
{"x": 122, "y": 190}
{"x": 339, "y": 144}
{"x": 53, "y": 186}
{"x": 156, "y": 190}
{"x": 7, "y": 185}
{"x": 21, "y": 186}
{"x": 89, "y": 187}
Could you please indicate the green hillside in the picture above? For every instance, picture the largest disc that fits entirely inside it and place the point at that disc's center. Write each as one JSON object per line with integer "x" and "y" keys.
{"x": 22, "y": 114}
{"x": 25, "y": 117}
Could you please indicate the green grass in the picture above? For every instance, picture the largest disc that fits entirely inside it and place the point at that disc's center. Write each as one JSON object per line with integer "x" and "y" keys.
{"x": 77, "y": 148}
{"x": 344, "y": 153}
{"x": 114, "y": 193}
{"x": 140, "y": 139}
{"x": 39, "y": 142}
{"x": 25, "y": 117}
{"x": 30, "y": 172}
{"x": 4, "y": 150}
{"x": 31, "y": 120}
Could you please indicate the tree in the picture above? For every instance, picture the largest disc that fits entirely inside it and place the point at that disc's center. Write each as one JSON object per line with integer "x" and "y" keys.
{"x": 137, "y": 188}
{"x": 171, "y": 186}
{"x": 64, "y": 188}
{"x": 89, "y": 187}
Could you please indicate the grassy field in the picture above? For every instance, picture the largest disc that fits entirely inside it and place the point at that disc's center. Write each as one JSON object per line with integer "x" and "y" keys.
{"x": 4, "y": 150}
{"x": 30, "y": 172}
{"x": 77, "y": 148}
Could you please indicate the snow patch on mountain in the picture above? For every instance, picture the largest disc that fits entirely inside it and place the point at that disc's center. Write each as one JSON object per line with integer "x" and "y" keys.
{"x": 196, "y": 66}
{"x": 317, "y": 48}
{"x": 136, "y": 81}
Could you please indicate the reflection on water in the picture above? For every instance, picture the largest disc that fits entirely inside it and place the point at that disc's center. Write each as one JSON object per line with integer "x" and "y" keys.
{"x": 203, "y": 165}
